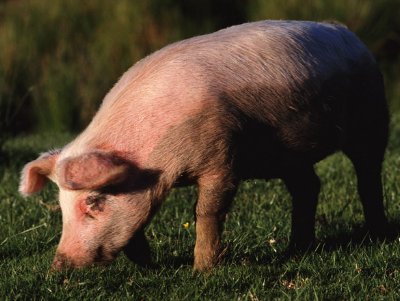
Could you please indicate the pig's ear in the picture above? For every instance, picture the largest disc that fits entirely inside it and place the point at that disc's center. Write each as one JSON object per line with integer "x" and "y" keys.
{"x": 36, "y": 173}
{"x": 91, "y": 171}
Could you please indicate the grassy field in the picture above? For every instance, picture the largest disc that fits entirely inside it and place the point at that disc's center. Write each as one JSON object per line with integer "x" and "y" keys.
{"x": 347, "y": 265}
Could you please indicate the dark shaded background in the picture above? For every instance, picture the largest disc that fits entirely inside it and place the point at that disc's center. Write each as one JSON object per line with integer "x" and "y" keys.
{"x": 59, "y": 58}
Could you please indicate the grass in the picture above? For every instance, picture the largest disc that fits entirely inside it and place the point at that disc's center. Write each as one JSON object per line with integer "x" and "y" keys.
{"x": 347, "y": 265}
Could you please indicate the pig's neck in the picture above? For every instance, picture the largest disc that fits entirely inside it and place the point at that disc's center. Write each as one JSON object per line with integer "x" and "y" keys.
{"x": 139, "y": 111}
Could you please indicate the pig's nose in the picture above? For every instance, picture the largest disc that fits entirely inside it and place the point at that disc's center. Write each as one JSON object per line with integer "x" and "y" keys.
{"x": 61, "y": 262}
{"x": 57, "y": 265}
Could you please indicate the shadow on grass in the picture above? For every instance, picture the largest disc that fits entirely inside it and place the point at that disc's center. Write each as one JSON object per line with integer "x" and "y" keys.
{"x": 171, "y": 261}
{"x": 359, "y": 235}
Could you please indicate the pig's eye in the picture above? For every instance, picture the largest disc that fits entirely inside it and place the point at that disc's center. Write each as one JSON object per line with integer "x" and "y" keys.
{"x": 91, "y": 200}
{"x": 96, "y": 203}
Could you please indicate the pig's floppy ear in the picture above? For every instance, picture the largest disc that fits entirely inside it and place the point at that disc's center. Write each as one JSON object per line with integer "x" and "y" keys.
{"x": 36, "y": 173}
{"x": 91, "y": 171}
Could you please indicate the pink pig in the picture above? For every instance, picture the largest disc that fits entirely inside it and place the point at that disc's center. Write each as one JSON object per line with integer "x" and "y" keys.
{"x": 259, "y": 100}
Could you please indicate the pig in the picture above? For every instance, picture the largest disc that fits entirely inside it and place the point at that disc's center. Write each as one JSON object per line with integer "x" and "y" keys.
{"x": 260, "y": 100}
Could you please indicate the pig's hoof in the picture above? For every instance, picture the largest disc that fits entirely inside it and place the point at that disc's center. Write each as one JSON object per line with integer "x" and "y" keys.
{"x": 301, "y": 246}
{"x": 204, "y": 270}
{"x": 382, "y": 231}
{"x": 205, "y": 264}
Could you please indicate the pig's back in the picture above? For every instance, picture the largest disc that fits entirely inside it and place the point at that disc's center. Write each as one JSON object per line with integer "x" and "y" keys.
{"x": 299, "y": 85}
{"x": 286, "y": 91}
{"x": 286, "y": 83}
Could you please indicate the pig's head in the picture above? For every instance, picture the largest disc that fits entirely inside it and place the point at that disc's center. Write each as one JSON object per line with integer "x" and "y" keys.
{"x": 100, "y": 209}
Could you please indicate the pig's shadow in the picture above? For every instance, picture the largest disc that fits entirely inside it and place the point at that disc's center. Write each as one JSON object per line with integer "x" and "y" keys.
{"x": 344, "y": 241}
{"x": 359, "y": 236}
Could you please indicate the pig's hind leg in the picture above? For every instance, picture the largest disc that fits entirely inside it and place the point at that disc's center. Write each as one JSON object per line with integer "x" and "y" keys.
{"x": 366, "y": 145}
{"x": 367, "y": 160}
{"x": 216, "y": 193}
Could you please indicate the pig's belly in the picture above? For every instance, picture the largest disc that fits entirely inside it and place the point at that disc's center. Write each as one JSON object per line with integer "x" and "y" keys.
{"x": 269, "y": 159}
{"x": 265, "y": 152}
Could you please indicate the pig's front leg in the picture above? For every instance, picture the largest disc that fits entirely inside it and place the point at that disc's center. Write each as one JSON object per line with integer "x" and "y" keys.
{"x": 216, "y": 193}
{"x": 304, "y": 186}
{"x": 138, "y": 249}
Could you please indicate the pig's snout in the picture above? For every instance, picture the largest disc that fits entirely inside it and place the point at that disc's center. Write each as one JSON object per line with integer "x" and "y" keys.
{"x": 61, "y": 262}
{"x": 100, "y": 257}
{"x": 58, "y": 265}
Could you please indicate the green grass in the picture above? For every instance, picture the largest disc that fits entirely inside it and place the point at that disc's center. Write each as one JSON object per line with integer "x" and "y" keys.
{"x": 346, "y": 266}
